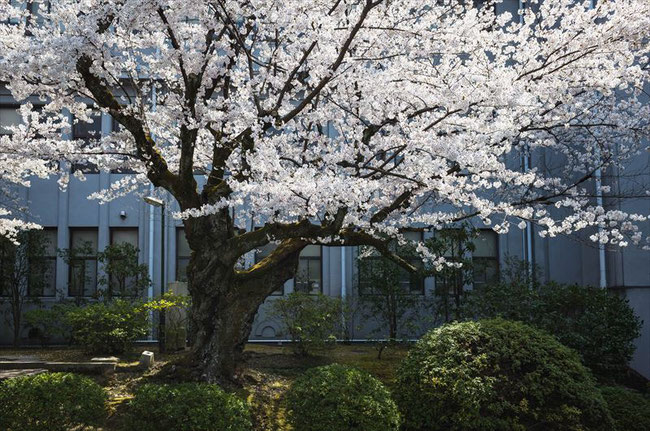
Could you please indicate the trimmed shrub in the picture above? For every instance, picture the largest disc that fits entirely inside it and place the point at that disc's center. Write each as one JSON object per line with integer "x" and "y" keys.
{"x": 107, "y": 327}
{"x": 497, "y": 375}
{"x": 340, "y": 398}
{"x": 311, "y": 320}
{"x": 629, "y": 409}
{"x": 51, "y": 402}
{"x": 599, "y": 325}
{"x": 187, "y": 407}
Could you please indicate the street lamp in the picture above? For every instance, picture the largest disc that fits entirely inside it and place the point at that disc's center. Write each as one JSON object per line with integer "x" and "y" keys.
{"x": 155, "y": 202}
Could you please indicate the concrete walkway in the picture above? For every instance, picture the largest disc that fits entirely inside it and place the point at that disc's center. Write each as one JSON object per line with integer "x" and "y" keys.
{"x": 31, "y": 363}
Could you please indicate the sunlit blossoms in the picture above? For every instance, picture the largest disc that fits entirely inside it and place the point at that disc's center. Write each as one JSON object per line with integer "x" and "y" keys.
{"x": 420, "y": 109}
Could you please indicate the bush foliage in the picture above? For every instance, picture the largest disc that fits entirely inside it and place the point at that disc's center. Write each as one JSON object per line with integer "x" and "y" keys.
{"x": 340, "y": 398}
{"x": 312, "y": 321}
{"x": 599, "y": 325}
{"x": 497, "y": 375}
{"x": 51, "y": 402}
{"x": 187, "y": 407}
{"x": 629, "y": 409}
{"x": 107, "y": 327}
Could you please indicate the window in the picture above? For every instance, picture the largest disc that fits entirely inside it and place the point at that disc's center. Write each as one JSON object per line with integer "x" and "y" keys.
{"x": 83, "y": 262}
{"x": 117, "y": 127}
{"x": 309, "y": 278}
{"x": 410, "y": 282}
{"x": 42, "y": 263}
{"x": 183, "y": 253}
{"x": 456, "y": 245}
{"x": 485, "y": 257}
{"x": 7, "y": 266}
{"x": 261, "y": 254}
{"x": 87, "y": 132}
{"x": 36, "y": 8}
{"x": 9, "y": 116}
{"x": 122, "y": 263}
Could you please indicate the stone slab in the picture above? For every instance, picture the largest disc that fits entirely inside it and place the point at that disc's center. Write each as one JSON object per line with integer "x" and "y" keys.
{"x": 75, "y": 367}
{"x": 10, "y": 374}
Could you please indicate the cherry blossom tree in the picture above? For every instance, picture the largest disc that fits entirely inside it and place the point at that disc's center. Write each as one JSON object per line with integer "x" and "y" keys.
{"x": 335, "y": 122}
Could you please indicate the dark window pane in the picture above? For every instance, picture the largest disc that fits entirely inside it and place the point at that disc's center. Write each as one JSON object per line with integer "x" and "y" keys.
{"x": 83, "y": 262}
{"x": 87, "y": 132}
{"x": 183, "y": 253}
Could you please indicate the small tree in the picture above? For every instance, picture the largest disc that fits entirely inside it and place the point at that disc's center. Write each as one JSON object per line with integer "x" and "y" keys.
{"x": 312, "y": 321}
{"x": 22, "y": 268}
{"x": 386, "y": 290}
{"x": 123, "y": 275}
{"x": 456, "y": 245}
{"x": 176, "y": 309}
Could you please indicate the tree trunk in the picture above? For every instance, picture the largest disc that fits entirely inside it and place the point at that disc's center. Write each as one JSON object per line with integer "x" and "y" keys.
{"x": 16, "y": 331}
{"x": 16, "y": 314}
{"x": 223, "y": 310}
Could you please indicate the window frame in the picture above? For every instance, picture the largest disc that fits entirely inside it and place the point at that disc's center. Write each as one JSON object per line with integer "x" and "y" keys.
{"x": 310, "y": 258}
{"x": 84, "y": 259}
{"x": 49, "y": 258}
{"x": 112, "y": 229}
{"x": 178, "y": 257}
{"x": 14, "y": 106}
{"x": 415, "y": 287}
{"x": 494, "y": 259}
{"x": 87, "y": 168}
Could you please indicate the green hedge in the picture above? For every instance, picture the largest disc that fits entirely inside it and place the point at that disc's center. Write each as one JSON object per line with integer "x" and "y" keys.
{"x": 187, "y": 407}
{"x": 599, "y": 325}
{"x": 629, "y": 409}
{"x": 51, "y": 402}
{"x": 497, "y": 375}
{"x": 340, "y": 398}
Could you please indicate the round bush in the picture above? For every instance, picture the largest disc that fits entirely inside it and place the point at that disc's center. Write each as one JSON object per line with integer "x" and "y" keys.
{"x": 630, "y": 410}
{"x": 108, "y": 327}
{"x": 497, "y": 375}
{"x": 51, "y": 402}
{"x": 187, "y": 407}
{"x": 340, "y": 398}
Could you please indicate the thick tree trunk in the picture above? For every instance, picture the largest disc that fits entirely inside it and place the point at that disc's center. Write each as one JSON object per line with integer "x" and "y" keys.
{"x": 224, "y": 308}
{"x": 222, "y": 323}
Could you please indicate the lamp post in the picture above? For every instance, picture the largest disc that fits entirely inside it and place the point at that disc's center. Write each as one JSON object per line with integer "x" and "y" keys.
{"x": 155, "y": 202}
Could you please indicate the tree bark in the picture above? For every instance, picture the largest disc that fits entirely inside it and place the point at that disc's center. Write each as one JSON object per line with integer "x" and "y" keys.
{"x": 224, "y": 306}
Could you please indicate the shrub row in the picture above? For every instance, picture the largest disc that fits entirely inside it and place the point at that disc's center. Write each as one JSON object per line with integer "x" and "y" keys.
{"x": 485, "y": 375}
{"x": 104, "y": 327}
{"x": 65, "y": 401}
{"x": 471, "y": 376}
{"x": 51, "y": 402}
{"x": 599, "y": 325}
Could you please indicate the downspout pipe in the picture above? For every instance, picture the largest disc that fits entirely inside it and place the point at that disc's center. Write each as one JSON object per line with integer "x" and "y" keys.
{"x": 151, "y": 231}
{"x": 344, "y": 285}
{"x": 602, "y": 261}
{"x": 527, "y": 233}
